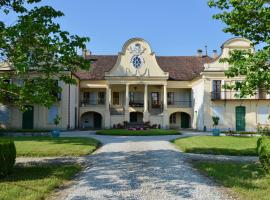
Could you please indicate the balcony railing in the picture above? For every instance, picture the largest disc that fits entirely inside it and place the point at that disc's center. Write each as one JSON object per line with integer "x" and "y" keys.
{"x": 136, "y": 104}
{"x": 183, "y": 104}
{"x": 92, "y": 102}
{"x": 230, "y": 95}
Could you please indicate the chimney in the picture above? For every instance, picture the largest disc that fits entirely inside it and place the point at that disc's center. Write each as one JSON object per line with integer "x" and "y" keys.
{"x": 215, "y": 54}
{"x": 199, "y": 53}
{"x": 86, "y": 53}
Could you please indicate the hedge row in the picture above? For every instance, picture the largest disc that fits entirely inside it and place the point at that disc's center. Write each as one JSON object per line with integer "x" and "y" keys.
{"x": 7, "y": 156}
{"x": 263, "y": 147}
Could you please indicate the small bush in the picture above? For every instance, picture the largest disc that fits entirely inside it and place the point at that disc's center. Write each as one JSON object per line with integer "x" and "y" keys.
{"x": 263, "y": 148}
{"x": 7, "y": 156}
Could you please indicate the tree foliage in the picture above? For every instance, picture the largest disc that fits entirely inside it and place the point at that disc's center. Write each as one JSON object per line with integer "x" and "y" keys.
{"x": 39, "y": 53}
{"x": 249, "y": 19}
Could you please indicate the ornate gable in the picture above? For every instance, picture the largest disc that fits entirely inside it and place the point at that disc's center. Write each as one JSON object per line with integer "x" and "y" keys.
{"x": 136, "y": 60}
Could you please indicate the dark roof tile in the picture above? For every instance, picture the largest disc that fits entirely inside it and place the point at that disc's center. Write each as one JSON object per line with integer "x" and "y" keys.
{"x": 181, "y": 68}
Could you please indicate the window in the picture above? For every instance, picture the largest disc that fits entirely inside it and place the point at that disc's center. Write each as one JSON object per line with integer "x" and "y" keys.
{"x": 57, "y": 91}
{"x": 262, "y": 93}
{"x": 4, "y": 114}
{"x": 170, "y": 98}
{"x": 52, "y": 113}
{"x": 218, "y": 111}
{"x": 262, "y": 115}
{"x": 216, "y": 89}
{"x": 137, "y": 62}
{"x": 116, "y": 98}
{"x": 86, "y": 97}
{"x": 101, "y": 98}
{"x": 132, "y": 97}
{"x": 93, "y": 98}
{"x": 155, "y": 99}
{"x": 173, "y": 118}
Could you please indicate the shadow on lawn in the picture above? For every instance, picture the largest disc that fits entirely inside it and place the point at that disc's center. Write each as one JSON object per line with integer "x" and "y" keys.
{"x": 60, "y": 140}
{"x": 33, "y": 172}
{"x": 223, "y": 151}
{"x": 119, "y": 172}
{"x": 240, "y": 175}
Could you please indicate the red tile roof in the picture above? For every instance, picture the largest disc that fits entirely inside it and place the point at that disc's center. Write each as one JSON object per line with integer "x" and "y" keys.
{"x": 181, "y": 68}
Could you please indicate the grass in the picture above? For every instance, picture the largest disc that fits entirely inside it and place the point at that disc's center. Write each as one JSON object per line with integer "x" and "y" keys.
{"x": 248, "y": 181}
{"x": 33, "y": 182}
{"x": 224, "y": 145}
{"x": 149, "y": 132}
{"x": 48, "y": 146}
{"x": 24, "y": 130}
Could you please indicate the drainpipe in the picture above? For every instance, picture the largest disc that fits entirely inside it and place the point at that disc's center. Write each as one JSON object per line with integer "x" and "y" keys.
{"x": 68, "y": 126}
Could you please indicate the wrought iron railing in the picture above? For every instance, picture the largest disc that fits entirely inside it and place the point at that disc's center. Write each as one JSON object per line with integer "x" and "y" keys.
{"x": 228, "y": 95}
{"x": 93, "y": 102}
{"x": 183, "y": 104}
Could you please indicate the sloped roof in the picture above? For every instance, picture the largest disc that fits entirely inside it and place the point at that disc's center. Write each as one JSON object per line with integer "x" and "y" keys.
{"x": 180, "y": 68}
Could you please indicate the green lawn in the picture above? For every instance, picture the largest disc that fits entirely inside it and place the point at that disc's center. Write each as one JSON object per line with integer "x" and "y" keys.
{"x": 35, "y": 181}
{"x": 48, "y": 146}
{"x": 223, "y": 145}
{"x": 125, "y": 132}
{"x": 247, "y": 181}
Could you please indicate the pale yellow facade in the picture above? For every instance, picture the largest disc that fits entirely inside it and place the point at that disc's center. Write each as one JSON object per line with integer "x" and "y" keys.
{"x": 136, "y": 90}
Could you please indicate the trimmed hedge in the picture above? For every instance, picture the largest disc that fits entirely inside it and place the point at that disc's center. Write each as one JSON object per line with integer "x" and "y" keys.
{"x": 7, "y": 156}
{"x": 263, "y": 147}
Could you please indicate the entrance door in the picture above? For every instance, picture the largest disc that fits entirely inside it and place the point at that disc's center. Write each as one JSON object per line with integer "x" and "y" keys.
{"x": 28, "y": 118}
{"x": 240, "y": 113}
{"x": 97, "y": 120}
{"x": 184, "y": 120}
{"x": 133, "y": 117}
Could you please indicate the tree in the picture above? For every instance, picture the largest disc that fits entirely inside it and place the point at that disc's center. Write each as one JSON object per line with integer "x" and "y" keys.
{"x": 249, "y": 19}
{"x": 39, "y": 53}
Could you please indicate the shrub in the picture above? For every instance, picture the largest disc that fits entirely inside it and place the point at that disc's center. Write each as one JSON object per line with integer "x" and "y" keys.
{"x": 215, "y": 121}
{"x": 7, "y": 156}
{"x": 263, "y": 148}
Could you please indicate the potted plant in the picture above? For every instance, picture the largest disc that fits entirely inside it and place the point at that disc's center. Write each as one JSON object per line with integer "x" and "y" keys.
{"x": 215, "y": 130}
{"x": 56, "y": 131}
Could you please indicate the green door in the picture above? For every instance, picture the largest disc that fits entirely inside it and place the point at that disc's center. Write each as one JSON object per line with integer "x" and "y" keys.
{"x": 28, "y": 118}
{"x": 97, "y": 120}
{"x": 133, "y": 117}
{"x": 184, "y": 120}
{"x": 240, "y": 113}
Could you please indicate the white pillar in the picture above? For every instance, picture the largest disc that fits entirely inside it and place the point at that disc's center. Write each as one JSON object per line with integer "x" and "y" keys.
{"x": 145, "y": 110}
{"x": 107, "y": 115}
{"x": 165, "y": 106}
{"x": 108, "y": 97}
{"x": 127, "y": 104}
{"x": 145, "y": 98}
{"x": 127, "y": 97}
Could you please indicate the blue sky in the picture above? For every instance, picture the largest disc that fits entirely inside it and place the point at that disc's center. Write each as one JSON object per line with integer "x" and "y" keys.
{"x": 172, "y": 27}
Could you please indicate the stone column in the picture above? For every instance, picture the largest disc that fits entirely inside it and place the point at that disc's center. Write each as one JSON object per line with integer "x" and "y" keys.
{"x": 107, "y": 115}
{"x": 127, "y": 103}
{"x": 145, "y": 107}
{"x": 165, "y": 107}
{"x": 108, "y": 97}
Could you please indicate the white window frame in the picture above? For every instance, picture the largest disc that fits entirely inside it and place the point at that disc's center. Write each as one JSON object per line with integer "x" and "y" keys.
{"x": 50, "y": 118}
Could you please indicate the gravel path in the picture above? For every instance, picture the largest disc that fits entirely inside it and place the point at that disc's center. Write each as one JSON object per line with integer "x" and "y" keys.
{"x": 140, "y": 168}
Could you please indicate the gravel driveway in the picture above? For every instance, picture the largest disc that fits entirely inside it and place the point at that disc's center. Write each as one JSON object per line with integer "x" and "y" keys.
{"x": 140, "y": 168}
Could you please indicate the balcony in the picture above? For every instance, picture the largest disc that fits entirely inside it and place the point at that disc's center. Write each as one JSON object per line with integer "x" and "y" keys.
{"x": 93, "y": 102}
{"x": 234, "y": 95}
{"x": 138, "y": 104}
{"x": 182, "y": 104}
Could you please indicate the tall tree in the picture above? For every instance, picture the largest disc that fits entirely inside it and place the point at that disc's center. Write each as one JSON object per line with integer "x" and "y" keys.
{"x": 39, "y": 53}
{"x": 249, "y": 19}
